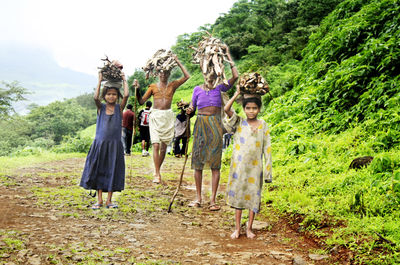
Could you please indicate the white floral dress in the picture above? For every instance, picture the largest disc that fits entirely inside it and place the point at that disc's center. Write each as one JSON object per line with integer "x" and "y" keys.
{"x": 246, "y": 173}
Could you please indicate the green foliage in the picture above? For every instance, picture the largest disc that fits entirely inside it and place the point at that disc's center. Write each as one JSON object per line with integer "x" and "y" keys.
{"x": 182, "y": 50}
{"x": 86, "y": 101}
{"x": 278, "y": 29}
{"x": 58, "y": 119}
{"x": 9, "y": 94}
{"x": 14, "y": 133}
{"x": 144, "y": 83}
{"x": 77, "y": 144}
{"x": 350, "y": 65}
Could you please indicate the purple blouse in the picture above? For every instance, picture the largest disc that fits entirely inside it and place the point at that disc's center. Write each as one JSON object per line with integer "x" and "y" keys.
{"x": 202, "y": 99}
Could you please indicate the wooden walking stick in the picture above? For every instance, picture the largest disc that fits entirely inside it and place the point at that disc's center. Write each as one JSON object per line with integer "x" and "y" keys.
{"x": 187, "y": 132}
{"x": 135, "y": 85}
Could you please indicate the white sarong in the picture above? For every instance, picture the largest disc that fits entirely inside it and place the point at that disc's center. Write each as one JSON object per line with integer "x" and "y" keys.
{"x": 161, "y": 125}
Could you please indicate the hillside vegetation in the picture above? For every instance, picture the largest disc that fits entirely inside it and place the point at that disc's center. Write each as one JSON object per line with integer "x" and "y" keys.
{"x": 333, "y": 68}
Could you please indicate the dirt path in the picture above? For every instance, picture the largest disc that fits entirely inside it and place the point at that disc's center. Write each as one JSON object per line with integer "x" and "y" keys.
{"x": 46, "y": 219}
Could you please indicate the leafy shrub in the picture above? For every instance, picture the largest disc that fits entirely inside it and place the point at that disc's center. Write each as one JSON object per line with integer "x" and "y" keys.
{"x": 76, "y": 144}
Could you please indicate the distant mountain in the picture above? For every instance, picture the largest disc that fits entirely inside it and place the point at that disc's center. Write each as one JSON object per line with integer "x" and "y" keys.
{"x": 37, "y": 71}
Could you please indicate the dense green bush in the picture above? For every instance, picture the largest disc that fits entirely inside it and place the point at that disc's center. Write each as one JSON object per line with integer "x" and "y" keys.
{"x": 351, "y": 66}
{"x": 75, "y": 144}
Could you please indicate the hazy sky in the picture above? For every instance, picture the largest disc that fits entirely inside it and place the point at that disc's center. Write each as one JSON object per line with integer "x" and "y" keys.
{"x": 79, "y": 32}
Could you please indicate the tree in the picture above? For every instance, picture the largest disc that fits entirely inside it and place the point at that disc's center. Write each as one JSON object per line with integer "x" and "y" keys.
{"x": 9, "y": 94}
{"x": 58, "y": 119}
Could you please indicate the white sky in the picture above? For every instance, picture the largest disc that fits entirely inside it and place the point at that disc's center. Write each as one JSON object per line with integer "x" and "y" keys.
{"x": 79, "y": 32}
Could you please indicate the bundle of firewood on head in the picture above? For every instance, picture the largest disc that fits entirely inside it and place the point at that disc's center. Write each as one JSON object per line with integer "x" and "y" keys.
{"x": 211, "y": 54}
{"x": 111, "y": 70}
{"x": 182, "y": 105}
{"x": 162, "y": 61}
{"x": 253, "y": 83}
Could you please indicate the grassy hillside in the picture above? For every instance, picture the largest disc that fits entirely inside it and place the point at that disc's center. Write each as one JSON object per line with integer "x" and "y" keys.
{"x": 345, "y": 105}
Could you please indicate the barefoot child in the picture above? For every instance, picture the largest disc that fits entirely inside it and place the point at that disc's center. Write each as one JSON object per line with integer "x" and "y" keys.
{"x": 105, "y": 166}
{"x": 251, "y": 144}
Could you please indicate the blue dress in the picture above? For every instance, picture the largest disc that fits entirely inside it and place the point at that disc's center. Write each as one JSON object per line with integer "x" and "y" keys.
{"x": 105, "y": 163}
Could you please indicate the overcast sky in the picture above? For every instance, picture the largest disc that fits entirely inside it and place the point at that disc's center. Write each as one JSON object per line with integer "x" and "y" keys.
{"x": 79, "y": 32}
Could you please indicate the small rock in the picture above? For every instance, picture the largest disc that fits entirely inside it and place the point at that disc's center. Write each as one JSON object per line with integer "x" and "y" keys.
{"x": 298, "y": 260}
{"x": 34, "y": 260}
{"x": 78, "y": 258}
{"x": 317, "y": 256}
{"x": 22, "y": 253}
{"x": 258, "y": 225}
{"x": 215, "y": 256}
{"x": 281, "y": 255}
{"x": 53, "y": 218}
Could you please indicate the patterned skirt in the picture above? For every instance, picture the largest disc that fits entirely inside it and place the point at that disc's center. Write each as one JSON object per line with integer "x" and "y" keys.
{"x": 207, "y": 142}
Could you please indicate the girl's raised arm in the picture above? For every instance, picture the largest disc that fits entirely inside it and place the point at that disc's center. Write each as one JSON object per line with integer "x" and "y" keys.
{"x": 229, "y": 104}
{"x": 126, "y": 92}
{"x": 97, "y": 92}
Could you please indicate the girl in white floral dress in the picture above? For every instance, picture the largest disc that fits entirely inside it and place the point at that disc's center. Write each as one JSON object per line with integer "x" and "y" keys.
{"x": 251, "y": 144}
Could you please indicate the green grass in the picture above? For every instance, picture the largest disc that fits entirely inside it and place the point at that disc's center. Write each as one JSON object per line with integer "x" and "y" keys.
{"x": 8, "y": 163}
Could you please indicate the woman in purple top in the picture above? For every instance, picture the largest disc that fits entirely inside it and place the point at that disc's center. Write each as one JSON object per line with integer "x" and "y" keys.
{"x": 207, "y": 135}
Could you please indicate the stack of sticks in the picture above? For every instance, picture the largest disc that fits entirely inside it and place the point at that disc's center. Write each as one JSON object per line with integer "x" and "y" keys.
{"x": 111, "y": 70}
{"x": 162, "y": 61}
{"x": 253, "y": 83}
{"x": 211, "y": 54}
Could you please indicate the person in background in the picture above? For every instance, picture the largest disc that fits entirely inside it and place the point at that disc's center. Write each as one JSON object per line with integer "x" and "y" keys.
{"x": 144, "y": 117}
{"x": 181, "y": 123}
{"x": 128, "y": 121}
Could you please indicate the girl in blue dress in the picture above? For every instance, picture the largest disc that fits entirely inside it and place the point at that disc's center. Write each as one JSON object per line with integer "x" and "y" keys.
{"x": 105, "y": 165}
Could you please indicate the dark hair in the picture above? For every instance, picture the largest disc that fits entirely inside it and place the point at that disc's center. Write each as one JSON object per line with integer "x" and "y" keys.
{"x": 255, "y": 100}
{"x": 129, "y": 106}
{"x": 149, "y": 104}
{"x": 105, "y": 89}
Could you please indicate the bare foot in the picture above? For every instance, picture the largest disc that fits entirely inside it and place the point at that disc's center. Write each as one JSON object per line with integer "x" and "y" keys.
{"x": 235, "y": 234}
{"x": 250, "y": 233}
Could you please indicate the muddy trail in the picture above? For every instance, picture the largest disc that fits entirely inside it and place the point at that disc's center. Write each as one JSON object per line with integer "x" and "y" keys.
{"x": 46, "y": 218}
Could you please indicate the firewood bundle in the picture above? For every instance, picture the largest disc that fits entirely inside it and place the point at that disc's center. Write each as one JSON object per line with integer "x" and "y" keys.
{"x": 182, "y": 105}
{"x": 211, "y": 55}
{"x": 111, "y": 70}
{"x": 253, "y": 83}
{"x": 162, "y": 61}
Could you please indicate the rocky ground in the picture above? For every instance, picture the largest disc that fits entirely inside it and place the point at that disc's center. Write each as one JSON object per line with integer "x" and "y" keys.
{"x": 46, "y": 218}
